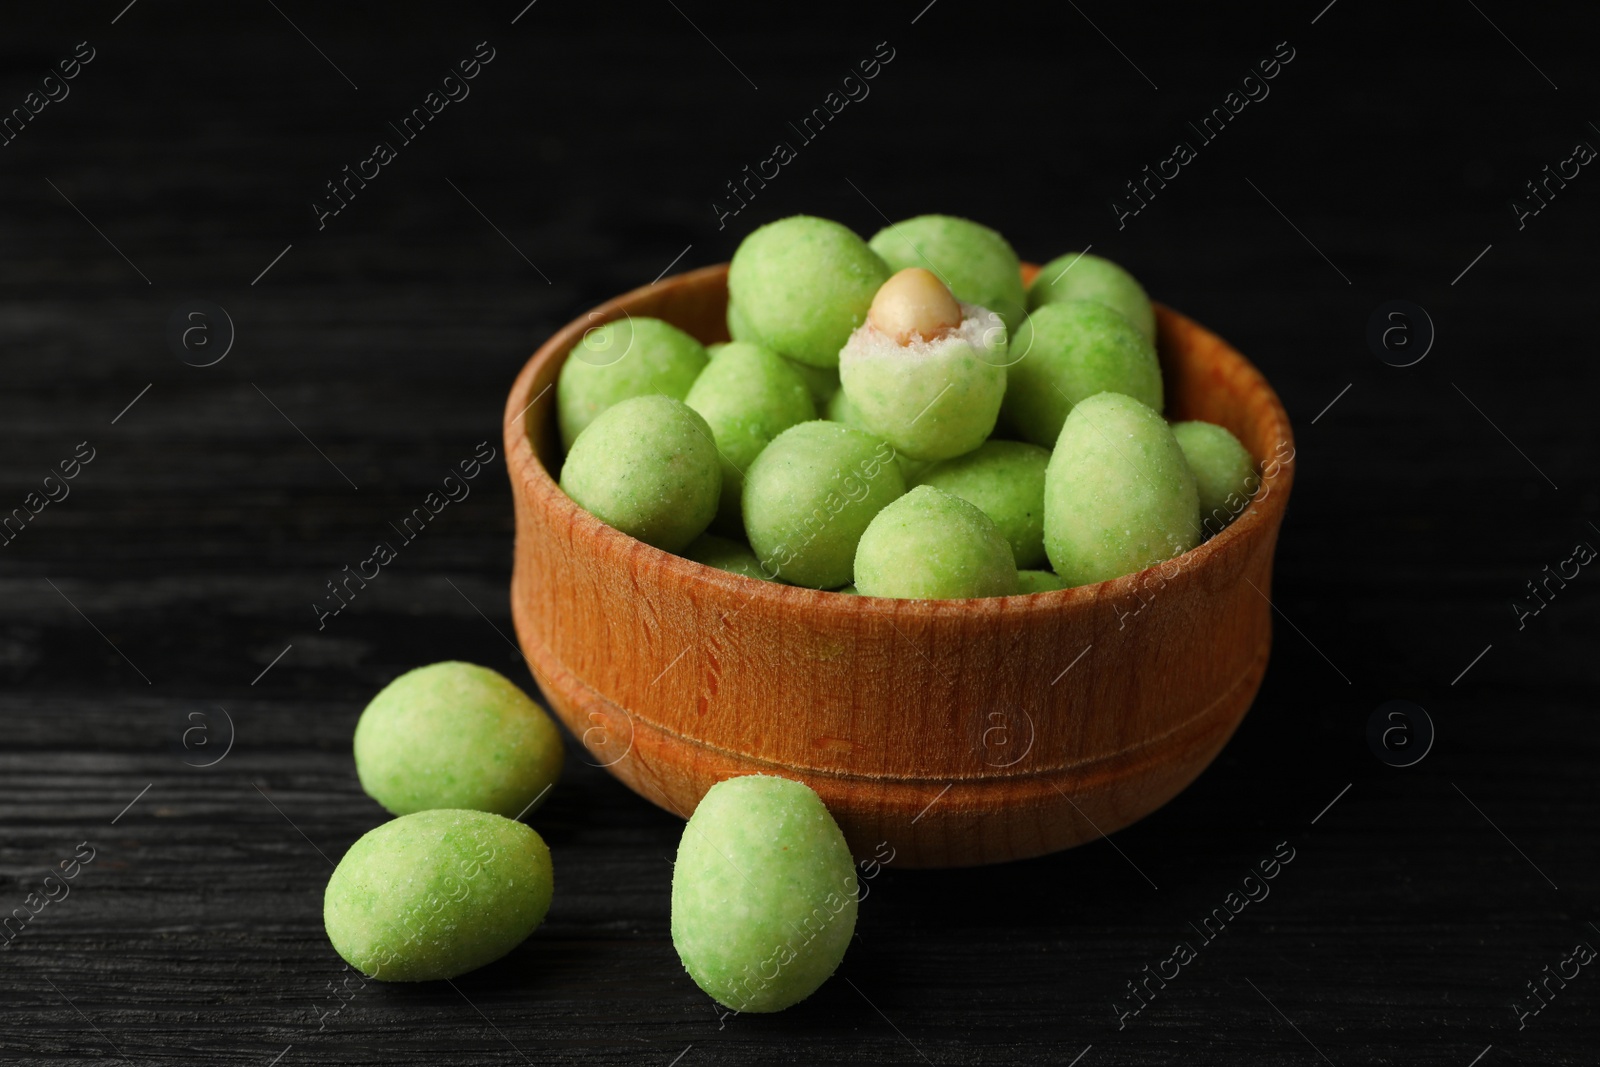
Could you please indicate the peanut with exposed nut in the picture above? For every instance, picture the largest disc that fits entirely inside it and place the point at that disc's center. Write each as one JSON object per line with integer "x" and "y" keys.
{"x": 914, "y": 304}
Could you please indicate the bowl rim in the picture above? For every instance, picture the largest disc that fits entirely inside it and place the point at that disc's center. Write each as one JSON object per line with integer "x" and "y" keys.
{"x": 532, "y": 476}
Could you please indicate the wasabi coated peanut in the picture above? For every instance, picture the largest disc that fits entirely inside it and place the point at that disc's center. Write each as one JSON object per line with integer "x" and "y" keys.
{"x": 925, "y": 372}
{"x": 454, "y": 735}
{"x": 763, "y": 894}
{"x": 648, "y": 467}
{"x": 1080, "y": 276}
{"x": 1005, "y": 479}
{"x": 1068, "y": 351}
{"x": 801, "y": 284}
{"x": 739, "y": 326}
{"x": 620, "y": 360}
{"x": 726, "y": 555}
{"x": 1118, "y": 494}
{"x": 839, "y": 409}
{"x": 933, "y": 546}
{"x": 977, "y": 264}
{"x": 1223, "y": 468}
{"x": 436, "y": 894}
{"x": 810, "y": 494}
{"x": 822, "y": 381}
{"x": 1038, "y": 582}
{"x": 748, "y": 395}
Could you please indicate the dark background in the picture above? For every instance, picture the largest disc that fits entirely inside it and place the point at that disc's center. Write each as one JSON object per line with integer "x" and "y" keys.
{"x": 187, "y": 556}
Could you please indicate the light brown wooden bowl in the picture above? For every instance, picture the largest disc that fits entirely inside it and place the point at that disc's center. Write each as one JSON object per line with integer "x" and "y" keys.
{"x": 960, "y": 732}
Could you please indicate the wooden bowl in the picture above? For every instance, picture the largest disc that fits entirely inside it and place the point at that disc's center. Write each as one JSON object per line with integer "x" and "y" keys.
{"x": 958, "y": 732}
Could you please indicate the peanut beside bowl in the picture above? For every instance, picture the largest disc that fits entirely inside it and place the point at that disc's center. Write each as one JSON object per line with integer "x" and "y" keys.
{"x": 960, "y": 732}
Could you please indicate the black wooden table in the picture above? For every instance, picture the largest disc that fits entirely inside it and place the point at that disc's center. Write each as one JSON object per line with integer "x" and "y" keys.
{"x": 176, "y": 720}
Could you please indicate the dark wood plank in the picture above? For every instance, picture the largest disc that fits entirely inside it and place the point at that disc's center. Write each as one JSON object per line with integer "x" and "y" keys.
{"x": 1416, "y": 908}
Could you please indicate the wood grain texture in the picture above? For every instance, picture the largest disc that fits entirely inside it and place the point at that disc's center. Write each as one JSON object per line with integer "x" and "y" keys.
{"x": 959, "y": 732}
{"x": 1401, "y": 934}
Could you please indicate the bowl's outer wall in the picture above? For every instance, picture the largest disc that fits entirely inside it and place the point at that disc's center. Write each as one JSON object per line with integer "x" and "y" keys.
{"x": 959, "y": 732}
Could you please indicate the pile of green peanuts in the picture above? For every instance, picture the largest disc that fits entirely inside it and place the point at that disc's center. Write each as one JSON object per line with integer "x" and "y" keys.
{"x": 764, "y": 889}
{"x": 900, "y": 417}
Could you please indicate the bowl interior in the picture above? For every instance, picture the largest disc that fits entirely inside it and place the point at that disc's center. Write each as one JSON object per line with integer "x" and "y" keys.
{"x": 1203, "y": 378}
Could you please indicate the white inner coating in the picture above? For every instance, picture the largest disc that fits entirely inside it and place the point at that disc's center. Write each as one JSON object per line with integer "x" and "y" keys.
{"x": 980, "y": 329}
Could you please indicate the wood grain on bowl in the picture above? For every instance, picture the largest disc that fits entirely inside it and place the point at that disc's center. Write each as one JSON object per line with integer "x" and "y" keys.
{"x": 960, "y": 732}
